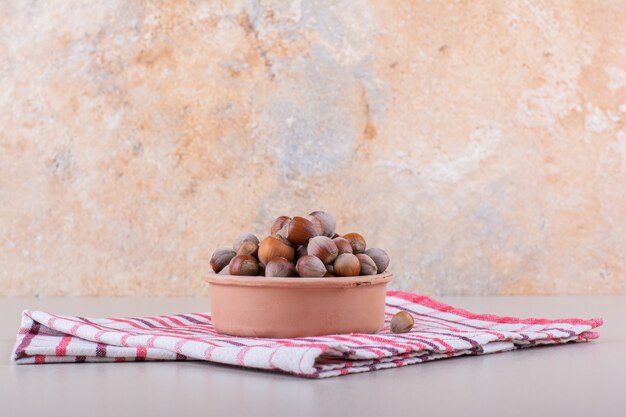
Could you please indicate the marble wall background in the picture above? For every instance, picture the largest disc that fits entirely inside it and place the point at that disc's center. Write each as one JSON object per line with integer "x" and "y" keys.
{"x": 482, "y": 143}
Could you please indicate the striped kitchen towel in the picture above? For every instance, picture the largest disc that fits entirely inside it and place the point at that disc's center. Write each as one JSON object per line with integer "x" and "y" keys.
{"x": 440, "y": 332}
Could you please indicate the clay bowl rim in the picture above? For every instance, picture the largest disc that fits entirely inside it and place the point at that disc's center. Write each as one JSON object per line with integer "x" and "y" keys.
{"x": 299, "y": 282}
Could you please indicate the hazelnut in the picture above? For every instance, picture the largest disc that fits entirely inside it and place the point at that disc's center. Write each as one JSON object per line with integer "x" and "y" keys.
{"x": 380, "y": 258}
{"x": 324, "y": 248}
{"x": 244, "y": 265}
{"x": 221, "y": 258}
{"x": 343, "y": 245}
{"x": 319, "y": 227}
{"x": 310, "y": 266}
{"x": 347, "y": 265}
{"x": 328, "y": 222}
{"x": 278, "y": 224}
{"x": 280, "y": 267}
{"x": 301, "y": 251}
{"x": 298, "y": 230}
{"x": 305, "y": 245}
{"x": 368, "y": 266}
{"x": 274, "y": 247}
{"x": 226, "y": 269}
{"x": 246, "y": 244}
{"x": 402, "y": 322}
{"x": 356, "y": 241}
{"x": 284, "y": 230}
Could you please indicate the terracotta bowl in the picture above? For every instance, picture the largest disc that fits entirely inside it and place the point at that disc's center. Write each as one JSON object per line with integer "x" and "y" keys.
{"x": 297, "y": 307}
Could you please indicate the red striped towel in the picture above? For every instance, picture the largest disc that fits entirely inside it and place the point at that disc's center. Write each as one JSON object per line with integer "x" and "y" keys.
{"x": 440, "y": 332}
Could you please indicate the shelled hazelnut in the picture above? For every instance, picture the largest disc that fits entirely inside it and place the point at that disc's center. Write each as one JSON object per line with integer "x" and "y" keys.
{"x": 305, "y": 246}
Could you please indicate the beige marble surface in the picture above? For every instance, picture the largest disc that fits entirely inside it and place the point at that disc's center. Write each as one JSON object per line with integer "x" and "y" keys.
{"x": 483, "y": 144}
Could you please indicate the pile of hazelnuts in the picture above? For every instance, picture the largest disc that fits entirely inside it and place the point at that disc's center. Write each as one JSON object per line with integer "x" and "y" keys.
{"x": 301, "y": 247}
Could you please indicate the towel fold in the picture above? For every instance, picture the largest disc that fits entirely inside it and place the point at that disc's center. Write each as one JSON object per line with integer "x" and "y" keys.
{"x": 440, "y": 332}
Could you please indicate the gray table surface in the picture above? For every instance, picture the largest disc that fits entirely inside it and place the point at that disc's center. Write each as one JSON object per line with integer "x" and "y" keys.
{"x": 575, "y": 380}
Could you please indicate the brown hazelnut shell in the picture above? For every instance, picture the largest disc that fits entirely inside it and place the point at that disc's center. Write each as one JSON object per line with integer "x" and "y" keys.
{"x": 301, "y": 251}
{"x": 319, "y": 227}
{"x": 246, "y": 244}
{"x": 356, "y": 241}
{"x": 380, "y": 258}
{"x": 226, "y": 269}
{"x": 347, "y": 265}
{"x": 280, "y": 267}
{"x": 221, "y": 258}
{"x": 368, "y": 266}
{"x": 328, "y": 222}
{"x": 298, "y": 231}
{"x": 244, "y": 265}
{"x": 343, "y": 245}
{"x": 324, "y": 248}
{"x": 310, "y": 266}
{"x": 278, "y": 223}
{"x": 402, "y": 322}
{"x": 273, "y": 247}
